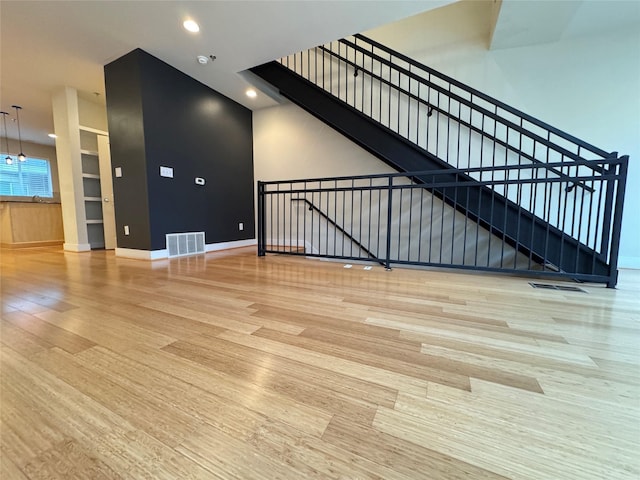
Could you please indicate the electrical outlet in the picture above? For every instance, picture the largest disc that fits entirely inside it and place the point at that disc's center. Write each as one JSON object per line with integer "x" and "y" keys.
{"x": 241, "y": 226}
{"x": 126, "y": 229}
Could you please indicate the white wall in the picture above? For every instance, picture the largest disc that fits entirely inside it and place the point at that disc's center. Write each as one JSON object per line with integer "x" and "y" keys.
{"x": 290, "y": 144}
{"x": 588, "y": 86}
{"x": 92, "y": 114}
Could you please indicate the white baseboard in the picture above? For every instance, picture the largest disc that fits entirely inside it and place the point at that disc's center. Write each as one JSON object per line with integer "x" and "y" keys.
{"x": 76, "y": 247}
{"x": 629, "y": 262}
{"x": 164, "y": 253}
{"x": 141, "y": 254}
{"x": 214, "y": 247}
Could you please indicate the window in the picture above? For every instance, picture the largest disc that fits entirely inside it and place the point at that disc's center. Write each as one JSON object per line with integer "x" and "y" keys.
{"x": 25, "y": 179}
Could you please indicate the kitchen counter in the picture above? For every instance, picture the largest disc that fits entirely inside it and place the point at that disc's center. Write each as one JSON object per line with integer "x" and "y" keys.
{"x": 30, "y": 224}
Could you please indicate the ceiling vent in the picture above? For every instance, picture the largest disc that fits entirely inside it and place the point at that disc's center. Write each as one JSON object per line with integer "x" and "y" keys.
{"x": 181, "y": 244}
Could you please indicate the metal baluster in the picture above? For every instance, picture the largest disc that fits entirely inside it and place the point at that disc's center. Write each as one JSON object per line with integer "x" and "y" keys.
{"x": 335, "y": 215}
{"x": 379, "y": 220}
{"x": 410, "y": 223}
{"x": 344, "y": 209}
{"x": 369, "y": 224}
{"x": 621, "y": 181}
{"x": 389, "y": 199}
{"x": 327, "y": 223}
{"x": 562, "y": 194}
{"x": 289, "y": 204}
{"x": 447, "y": 159}
{"x": 533, "y": 209}
{"x": 278, "y": 215}
{"x": 420, "y": 108}
{"x": 400, "y": 223}
{"x": 466, "y": 220}
{"x": 442, "y": 210}
{"x": 469, "y": 135}
{"x": 331, "y": 68}
{"x": 429, "y": 109}
{"x": 360, "y": 215}
{"x": 420, "y": 224}
{"x": 351, "y": 221}
{"x": 579, "y": 220}
{"x": 431, "y": 218}
{"x": 548, "y": 199}
{"x": 346, "y": 75}
{"x": 311, "y": 236}
{"x": 261, "y": 215}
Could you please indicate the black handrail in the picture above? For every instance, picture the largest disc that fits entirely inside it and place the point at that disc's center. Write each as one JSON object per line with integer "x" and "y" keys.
{"x": 313, "y": 208}
{"x": 465, "y": 102}
{"x": 494, "y": 116}
{"x": 381, "y": 199}
{"x": 611, "y": 162}
{"x": 486, "y": 97}
{"x": 377, "y": 90}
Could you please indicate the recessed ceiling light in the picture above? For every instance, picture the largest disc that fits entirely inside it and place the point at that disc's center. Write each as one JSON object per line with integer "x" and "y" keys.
{"x": 53, "y": 135}
{"x": 251, "y": 93}
{"x": 191, "y": 26}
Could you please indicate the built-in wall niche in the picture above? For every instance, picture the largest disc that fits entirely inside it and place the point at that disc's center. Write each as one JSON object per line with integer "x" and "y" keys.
{"x": 83, "y": 141}
{"x": 91, "y": 184}
{"x": 89, "y": 139}
{"x": 95, "y": 233}
{"x": 93, "y": 210}
{"x": 90, "y": 163}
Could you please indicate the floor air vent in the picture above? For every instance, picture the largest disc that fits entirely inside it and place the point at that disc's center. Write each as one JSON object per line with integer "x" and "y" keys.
{"x": 564, "y": 288}
{"x": 180, "y": 244}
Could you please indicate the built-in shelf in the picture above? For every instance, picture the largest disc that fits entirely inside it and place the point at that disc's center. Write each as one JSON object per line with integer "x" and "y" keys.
{"x": 92, "y": 130}
{"x": 91, "y": 175}
{"x": 91, "y": 222}
{"x": 93, "y": 153}
{"x": 92, "y": 199}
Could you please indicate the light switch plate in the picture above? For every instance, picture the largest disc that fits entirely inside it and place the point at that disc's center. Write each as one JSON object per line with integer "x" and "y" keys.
{"x": 166, "y": 172}
{"x": 118, "y": 171}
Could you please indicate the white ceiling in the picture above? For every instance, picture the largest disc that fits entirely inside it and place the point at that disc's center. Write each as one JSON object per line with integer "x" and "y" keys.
{"x": 48, "y": 44}
{"x": 530, "y": 22}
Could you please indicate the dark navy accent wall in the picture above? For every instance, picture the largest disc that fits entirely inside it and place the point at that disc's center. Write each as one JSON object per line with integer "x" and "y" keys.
{"x": 199, "y": 133}
{"x": 126, "y": 139}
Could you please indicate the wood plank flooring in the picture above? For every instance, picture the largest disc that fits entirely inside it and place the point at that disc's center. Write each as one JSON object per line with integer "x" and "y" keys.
{"x": 229, "y": 366}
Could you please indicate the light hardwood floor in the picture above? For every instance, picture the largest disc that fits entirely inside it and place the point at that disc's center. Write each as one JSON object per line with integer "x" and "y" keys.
{"x": 236, "y": 367}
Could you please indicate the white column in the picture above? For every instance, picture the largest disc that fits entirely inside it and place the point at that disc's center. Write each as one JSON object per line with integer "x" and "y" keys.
{"x": 66, "y": 125}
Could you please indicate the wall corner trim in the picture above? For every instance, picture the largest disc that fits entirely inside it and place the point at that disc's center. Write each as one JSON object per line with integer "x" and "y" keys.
{"x": 214, "y": 247}
{"x": 76, "y": 247}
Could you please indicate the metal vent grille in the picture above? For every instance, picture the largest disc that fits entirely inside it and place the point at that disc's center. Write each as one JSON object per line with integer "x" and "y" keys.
{"x": 180, "y": 244}
{"x": 564, "y": 288}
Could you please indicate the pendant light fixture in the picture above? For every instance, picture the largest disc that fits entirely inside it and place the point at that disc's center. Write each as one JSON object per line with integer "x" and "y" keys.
{"x": 21, "y": 156}
{"x": 8, "y": 158}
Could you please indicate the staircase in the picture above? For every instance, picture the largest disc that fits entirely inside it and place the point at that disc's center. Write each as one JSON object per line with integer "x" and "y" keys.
{"x": 550, "y": 196}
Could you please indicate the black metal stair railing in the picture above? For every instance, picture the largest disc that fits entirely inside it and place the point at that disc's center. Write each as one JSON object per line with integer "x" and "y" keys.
{"x": 414, "y": 92}
{"x": 393, "y": 220}
{"x": 338, "y": 229}
{"x": 418, "y": 119}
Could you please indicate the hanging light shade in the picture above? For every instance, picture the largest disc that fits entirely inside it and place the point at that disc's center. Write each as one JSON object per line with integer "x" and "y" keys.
{"x": 21, "y": 156}
{"x": 8, "y": 158}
